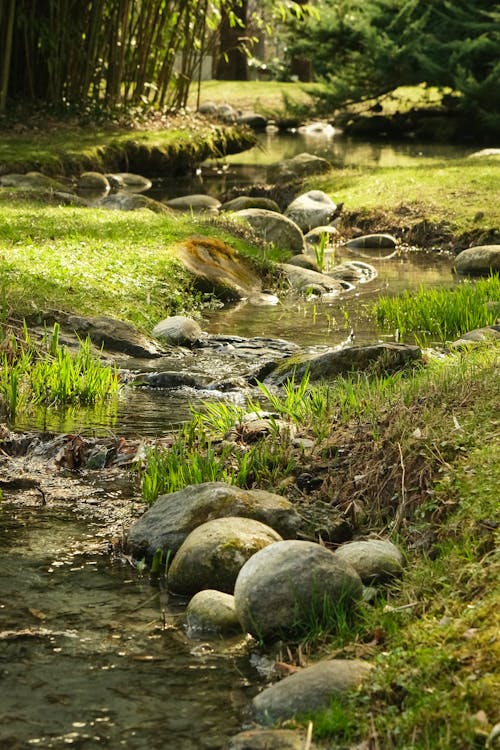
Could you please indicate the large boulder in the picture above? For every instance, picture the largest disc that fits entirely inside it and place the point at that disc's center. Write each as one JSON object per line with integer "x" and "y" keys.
{"x": 172, "y": 517}
{"x": 335, "y": 362}
{"x": 311, "y": 210}
{"x": 178, "y": 330}
{"x": 301, "y": 165}
{"x": 478, "y": 261}
{"x": 274, "y": 228}
{"x": 373, "y": 559}
{"x": 309, "y": 689}
{"x": 213, "y": 554}
{"x": 305, "y": 281}
{"x": 218, "y": 269}
{"x": 288, "y": 584}
{"x": 211, "y": 611}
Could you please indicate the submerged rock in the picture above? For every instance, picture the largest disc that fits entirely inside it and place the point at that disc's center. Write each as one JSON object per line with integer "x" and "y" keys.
{"x": 213, "y": 554}
{"x": 309, "y": 689}
{"x": 478, "y": 261}
{"x": 172, "y": 517}
{"x": 281, "y": 587}
{"x": 373, "y": 559}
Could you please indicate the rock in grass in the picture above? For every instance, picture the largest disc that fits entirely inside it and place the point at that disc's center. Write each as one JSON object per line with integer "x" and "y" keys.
{"x": 272, "y": 227}
{"x": 373, "y": 559}
{"x": 172, "y": 517}
{"x": 196, "y": 202}
{"x": 268, "y": 739}
{"x": 214, "y": 553}
{"x": 211, "y": 611}
{"x": 178, "y": 330}
{"x": 488, "y": 333}
{"x": 114, "y": 335}
{"x": 289, "y": 586}
{"x": 133, "y": 202}
{"x": 478, "y": 261}
{"x": 309, "y": 689}
{"x": 372, "y": 242}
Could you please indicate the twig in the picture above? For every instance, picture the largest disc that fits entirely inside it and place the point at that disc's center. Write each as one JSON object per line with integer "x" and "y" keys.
{"x": 309, "y": 735}
{"x": 401, "y": 507}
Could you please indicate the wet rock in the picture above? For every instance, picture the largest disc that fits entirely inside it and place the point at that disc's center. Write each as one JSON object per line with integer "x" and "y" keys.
{"x": 32, "y": 180}
{"x": 128, "y": 181}
{"x": 281, "y": 587}
{"x": 372, "y": 242}
{"x": 213, "y": 554}
{"x": 166, "y": 379}
{"x": 354, "y": 270}
{"x": 196, "y": 202}
{"x": 268, "y": 739}
{"x": 315, "y": 236}
{"x": 373, "y": 559}
{"x": 242, "y": 202}
{"x": 93, "y": 181}
{"x": 335, "y": 362}
{"x": 272, "y": 227}
{"x": 218, "y": 269}
{"x": 311, "y": 210}
{"x": 309, "y": 689}
{"x": 301, "y": 165}
{"x": 178, "y": 330}
{"x": 488, "y": 333}
{"x": 305, "y": 281}
{"x": 132, "y": 202}
{"x": 304, "y": 261}
{"x": 252, "y": 120}
{"x": 211, "y": 611}
{"x": 114, "y": 335}
{"x": 172, "y": 517}
{"x": 478, "y": 261}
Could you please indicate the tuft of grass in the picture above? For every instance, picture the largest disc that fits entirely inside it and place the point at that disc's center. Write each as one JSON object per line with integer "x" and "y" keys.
{"x": 442, "y": 312}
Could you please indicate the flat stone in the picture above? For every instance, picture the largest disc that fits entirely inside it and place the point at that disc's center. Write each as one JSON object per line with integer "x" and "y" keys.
{"x": 372, "y": 241}
{"x": 195, "y": 202}
{"x": 242, "y": 202}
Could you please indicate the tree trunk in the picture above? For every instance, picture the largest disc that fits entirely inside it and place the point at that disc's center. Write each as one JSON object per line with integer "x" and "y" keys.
{"x": 232, "y": 64}
{"x": 4, "y": 84}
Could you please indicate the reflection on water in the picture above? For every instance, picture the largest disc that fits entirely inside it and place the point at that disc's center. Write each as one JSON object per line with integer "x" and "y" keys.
{"x": 90, "y": 656}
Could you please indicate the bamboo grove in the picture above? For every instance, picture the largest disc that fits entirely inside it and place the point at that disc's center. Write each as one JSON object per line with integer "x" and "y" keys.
{"x": 107, "y": 52}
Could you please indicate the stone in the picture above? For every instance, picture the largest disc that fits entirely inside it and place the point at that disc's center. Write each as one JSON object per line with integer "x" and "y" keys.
{"x": 178, "y": 330}
{"x": 218, "y": 269}
{"x": 373, "y": 559}
{"x": 166, "y": 379}
{"x": 128, "y": 181}
{"x": 309, "y": 689}
{"x": 485, "y": 152}
{"x": 275, "y": 228}
{"x": 372, "y": 242}
{"x": 354, "y": 270}
{"x": 94, "y": 181}
{"x": 488, "y": 333}
{"x": 478, "y": 261}
{"x": 114, "y": 335}
{"x": 304, "y": 281}
{"x": 211, "y": 611}
{"x": 311, "y": 210}
{"x": 167, "y": 523}
{"x": 133, "y": 202}
{"x": 32, "y": 180}
{"x": 315, "y": 236}
{"x": 301, "y": 165}
{"x": 213, "y": 554}
{"x": 388, "y": 356}
{"x": 242, "y": 202}
{"x": 268, "y": 739}
{"x": 284, "y": 585}
{"x": 304, "y": 261}
{"x": 253, "y": 120}
{"x": 196, "y": 202}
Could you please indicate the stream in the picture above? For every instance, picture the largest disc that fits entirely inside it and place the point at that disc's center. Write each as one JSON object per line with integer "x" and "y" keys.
{"x": 92, "y": 655}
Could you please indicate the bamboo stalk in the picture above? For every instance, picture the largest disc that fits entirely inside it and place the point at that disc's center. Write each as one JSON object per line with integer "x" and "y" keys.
{"x": 7, "y": 56}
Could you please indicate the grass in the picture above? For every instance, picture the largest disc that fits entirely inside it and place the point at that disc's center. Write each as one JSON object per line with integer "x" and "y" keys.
{"x": 440, "y": 312}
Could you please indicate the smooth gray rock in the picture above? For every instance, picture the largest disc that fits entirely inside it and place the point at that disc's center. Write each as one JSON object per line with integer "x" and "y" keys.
{"x": 488, "y": 333}
{"x": 93, "y": 181}
{"x": 478, "y": 261}
{"x": 178, "y": 330}
{"x": 274, "y": 228}
{"x": 32, "y": 180}
{"x": 132, "y": 202}
{"x": 285, "y": 585}
{"x": 268, "y": 739}
{"x": 114, "y": 335}
{"x": 128, "y": 181}
{"x": 333, "y": 362}
{"x": 315, "y": 236}
{"x": 172, "y": 517}
{"x": 301, "y": 165}
{"x": 309, "y": 689}
{"x": 304, "y": 281}
{"x": 166, "y": 379}
{"x": 372, "y": 241}
{"x": 311, "y": 209}
{"x": 373, "y": 559}
{"x": 196, "y": 202}
{"x": 211, "y": 611}
{"x": 353, "y": 270}
{"x": 213, "y": 554}
{"x": 242, "y": 202}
